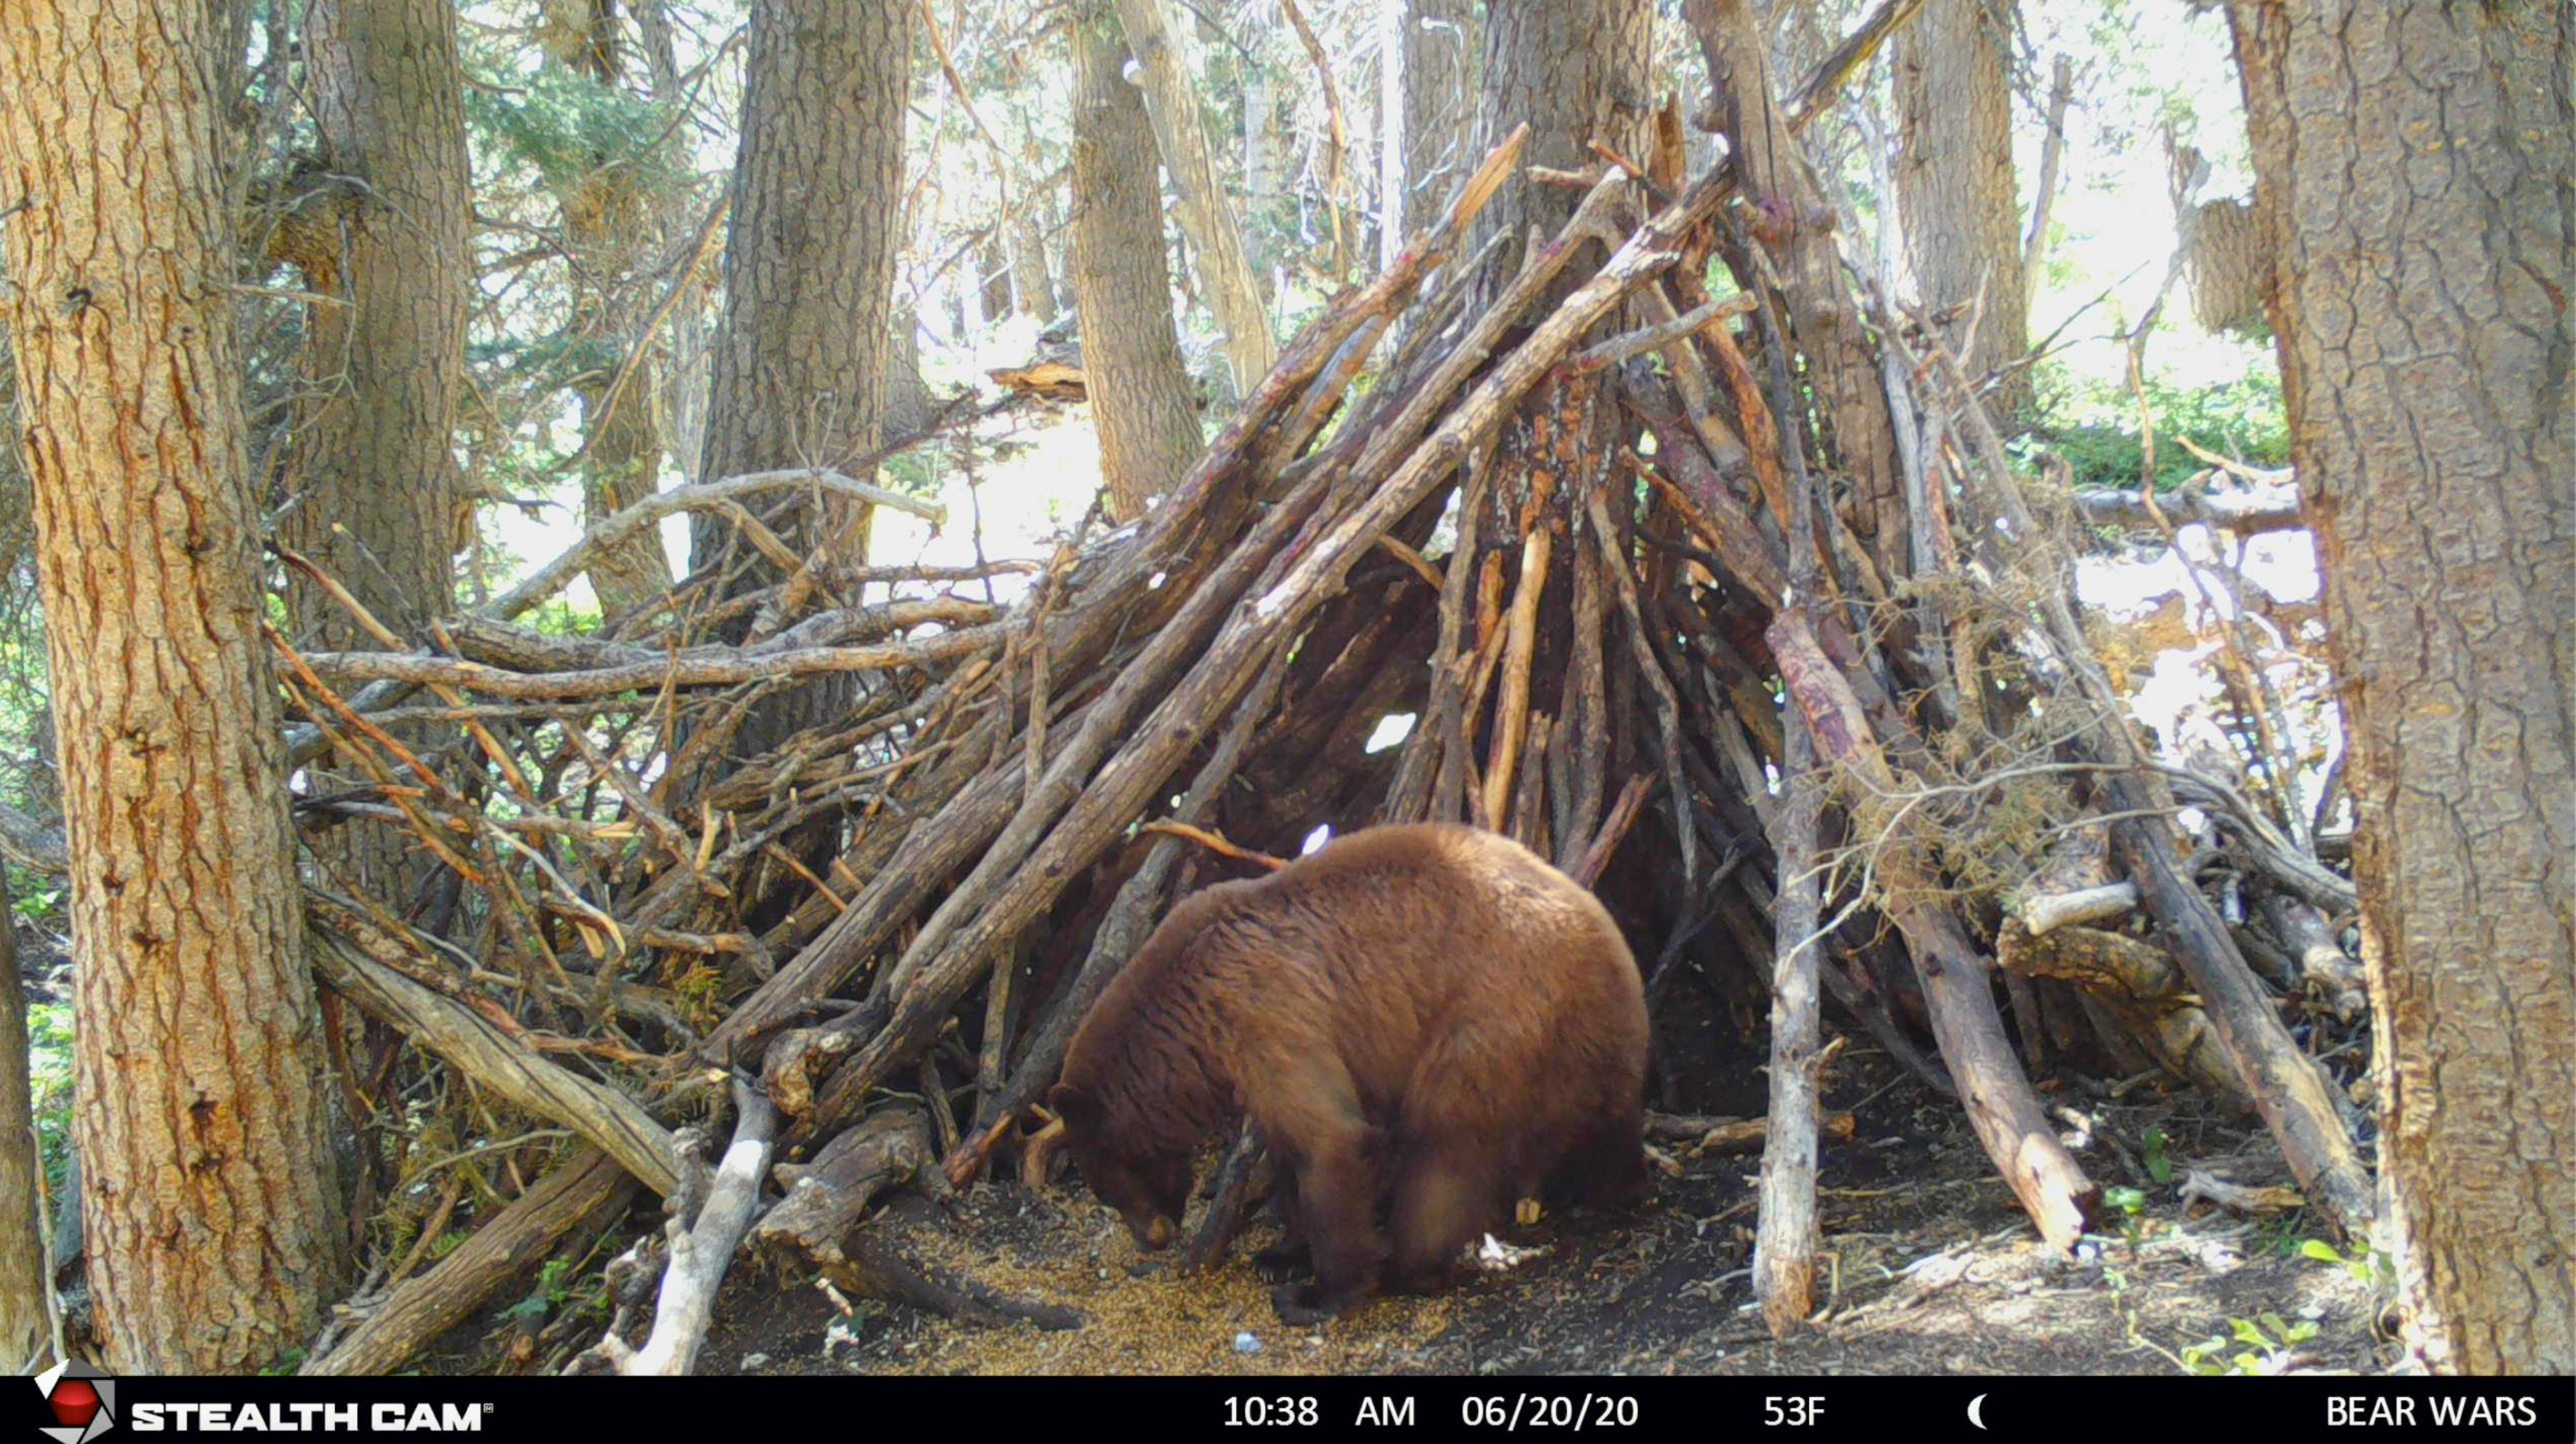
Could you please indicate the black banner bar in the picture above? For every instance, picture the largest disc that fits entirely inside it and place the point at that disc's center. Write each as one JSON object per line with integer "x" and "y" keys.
{"x": 2170, "y": 1410}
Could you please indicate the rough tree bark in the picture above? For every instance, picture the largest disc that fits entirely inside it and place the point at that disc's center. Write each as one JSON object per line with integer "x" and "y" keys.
{"x": 1155, "y": 34}
{"x": 371, "y": 475}
{"x": 26, "y": 1333}
{"x": 1954, "y": 177}
{"x": 207, "y": 1188}
{"x": 800, "y": 357}
{"x": 1441, "y": 43}
{"x": 375, "y": 481}
{"x": 1575, "y": 71}
{"x": 1131, "y": 356}
{"x": 2411, "y": 163}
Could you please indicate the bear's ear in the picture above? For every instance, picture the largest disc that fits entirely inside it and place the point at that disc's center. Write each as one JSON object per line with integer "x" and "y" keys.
{"x": 1076, "y": 1107}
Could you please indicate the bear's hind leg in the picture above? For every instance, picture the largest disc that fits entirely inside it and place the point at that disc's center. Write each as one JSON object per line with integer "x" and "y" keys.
{"x": 1444, "y": 1197}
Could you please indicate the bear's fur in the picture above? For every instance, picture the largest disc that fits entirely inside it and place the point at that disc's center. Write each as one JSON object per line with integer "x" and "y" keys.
{"x": 1425, "y": 1023}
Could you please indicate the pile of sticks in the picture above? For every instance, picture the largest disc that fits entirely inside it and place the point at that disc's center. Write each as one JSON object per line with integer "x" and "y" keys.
{"x": 1579, "y": 526}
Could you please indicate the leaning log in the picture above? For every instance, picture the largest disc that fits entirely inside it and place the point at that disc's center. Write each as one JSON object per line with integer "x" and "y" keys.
{"x": 587, "y": 1185}
{"x": 482, "y": 1051}
{"x": 2002, "y": 1108}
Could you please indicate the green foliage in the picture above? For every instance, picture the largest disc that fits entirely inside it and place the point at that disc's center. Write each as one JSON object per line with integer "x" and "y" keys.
{"x": 567, "y": 127}
{"x": 2266, "y": 1341}
{"x": 34, "y": 896}
{"x": 2158, "y": 1163}
{"x": 2132, "y": 1204}
{"x": 2369, "y": 1265}
{"x": 2094, "y": 426}
{"x": 49, "y": 1080}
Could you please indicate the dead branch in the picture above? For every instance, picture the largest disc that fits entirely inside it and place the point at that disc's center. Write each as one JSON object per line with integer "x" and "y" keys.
{"x": 700, "y": 1251}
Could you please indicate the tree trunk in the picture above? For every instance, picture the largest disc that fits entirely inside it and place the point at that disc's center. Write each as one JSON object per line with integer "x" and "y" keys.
{"x": 372, "y": 473}
{"x": 1032, "y": 278}
{"x": 1260, "y": 146}
{"x": 1234, "y": 293}
{"x": 608, "y": 222}
{"x": 1131, "y": 355}
{"x": 800, "y": 357}
{"x": 2411, "y": 163}
{"x": 26, "y": 1332}
{"x": 1843, "y": 365}
{"x": 2230, "y": 264}
{"x": 1441, "y": 44}
{"x": 683, "y": 382}
{"x": 207, "y": 1188}
{"x": 1576, "y": 71}
{"x": 993, "y": 269}
{"x": 1954, "y": 178}
{"x": 1390, "y": 131}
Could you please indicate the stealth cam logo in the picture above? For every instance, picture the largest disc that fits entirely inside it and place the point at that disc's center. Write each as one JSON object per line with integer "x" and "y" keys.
{"x": 80, "y": 1400}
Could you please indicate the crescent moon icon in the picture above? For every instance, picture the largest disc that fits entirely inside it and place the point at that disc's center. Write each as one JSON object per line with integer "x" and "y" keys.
{"x": 1976, "y": 1408}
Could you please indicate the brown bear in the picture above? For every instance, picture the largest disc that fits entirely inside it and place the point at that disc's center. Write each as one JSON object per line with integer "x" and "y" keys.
{"x": 1424, "y": 1023}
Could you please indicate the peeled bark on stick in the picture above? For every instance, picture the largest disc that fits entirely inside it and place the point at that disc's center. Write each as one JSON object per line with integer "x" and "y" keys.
{"x": 702, "y": 1249}
{"x": 1784, "y": 1263}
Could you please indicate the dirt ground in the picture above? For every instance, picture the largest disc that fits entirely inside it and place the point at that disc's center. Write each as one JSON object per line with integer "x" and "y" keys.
{"x": 1930, "y": 1269}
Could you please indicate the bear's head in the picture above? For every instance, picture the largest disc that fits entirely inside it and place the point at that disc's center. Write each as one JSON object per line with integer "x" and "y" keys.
{"x": 1149, "y": 1188}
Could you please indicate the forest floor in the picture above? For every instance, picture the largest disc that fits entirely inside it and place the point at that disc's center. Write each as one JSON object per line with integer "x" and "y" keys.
{"x": 1930, "y": 1268}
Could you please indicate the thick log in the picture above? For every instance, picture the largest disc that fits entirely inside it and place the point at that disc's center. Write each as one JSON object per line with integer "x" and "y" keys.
{"x": 2002, "y": 1108}
{"x": 885, "y": 1268}
{"x": 827, "y": 1198}
{"x": 585, "y": 1186}
{"x": 2142, "y": 989}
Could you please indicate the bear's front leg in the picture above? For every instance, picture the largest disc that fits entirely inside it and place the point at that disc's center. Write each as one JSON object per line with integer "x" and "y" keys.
{"x": 1336, "y": 1203}
{"x": 1290, "y": 1256}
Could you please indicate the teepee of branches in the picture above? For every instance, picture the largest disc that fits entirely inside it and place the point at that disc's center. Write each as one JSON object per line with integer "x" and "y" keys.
{"x": 1789, "y": 670}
